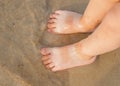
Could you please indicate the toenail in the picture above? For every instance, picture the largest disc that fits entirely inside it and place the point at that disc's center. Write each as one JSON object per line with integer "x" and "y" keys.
{"x": 51, "y": 65}
{"x": 53, "y": 69}
{"x": 46, "y": 63}
{"x": 50, "y": 30}
{"x": 44, "y": 58}
{"x": 47, "y": 66}
{"x": 43, "y": 50}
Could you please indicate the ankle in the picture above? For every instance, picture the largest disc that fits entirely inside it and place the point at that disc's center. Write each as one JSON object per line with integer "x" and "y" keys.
{"x": 86, "y": 57}
{"x": 88, "y": 24}
{"x": 84, "y": 53}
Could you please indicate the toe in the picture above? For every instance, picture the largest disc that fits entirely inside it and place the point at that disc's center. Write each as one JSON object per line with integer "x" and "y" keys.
{"x": 44, "y": 58}
{"x": 51, "y": 25}
{"x": 52, "y": 20}
{"x": 54, "y": 15}
{"x": 50, "y": 66}
{"x": 51, "y": 15}
{"x": 45, "y": 51}
{"x": 53, "y": 69}
{"x": 45, "y": 62}
{"x": 51, "y": 30}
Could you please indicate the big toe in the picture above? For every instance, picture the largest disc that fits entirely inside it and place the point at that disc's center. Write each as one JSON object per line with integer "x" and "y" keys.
{"x": 54, "y": 15}
{"x": 45, "y": 51}
{"x": 51, "y": 24}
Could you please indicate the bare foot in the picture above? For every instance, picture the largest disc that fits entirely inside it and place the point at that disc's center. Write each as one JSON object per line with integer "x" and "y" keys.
{"x": 60, "y": 58}
{"x": 66, "y": 22}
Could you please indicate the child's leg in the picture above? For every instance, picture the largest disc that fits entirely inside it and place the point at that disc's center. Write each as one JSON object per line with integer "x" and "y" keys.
{"x": 65, "y": 22}
{"x": 107, "y": 36}
{"x": 104, "y": 39}
{"x": 95, "y": 12}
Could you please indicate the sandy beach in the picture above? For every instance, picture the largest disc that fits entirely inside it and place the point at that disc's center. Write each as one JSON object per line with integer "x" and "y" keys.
{"x": 23, "y": 33}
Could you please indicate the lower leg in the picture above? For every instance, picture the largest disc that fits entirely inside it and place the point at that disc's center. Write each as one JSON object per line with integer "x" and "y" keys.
{"x": 95, "y": 12}
{"x": 106, "y": 37}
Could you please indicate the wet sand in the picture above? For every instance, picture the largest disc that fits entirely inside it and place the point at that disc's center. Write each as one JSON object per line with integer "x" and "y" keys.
{"x": 23, "y": 33}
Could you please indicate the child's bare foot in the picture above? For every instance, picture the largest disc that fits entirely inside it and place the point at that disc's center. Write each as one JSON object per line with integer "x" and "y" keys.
{"x": 57, "y": 59}
{"x": 66, "y": 22}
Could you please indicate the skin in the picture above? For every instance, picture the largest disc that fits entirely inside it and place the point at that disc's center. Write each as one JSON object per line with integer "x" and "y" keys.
{"x": 104, "y": 39}
{"x": 66, "y": 22}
